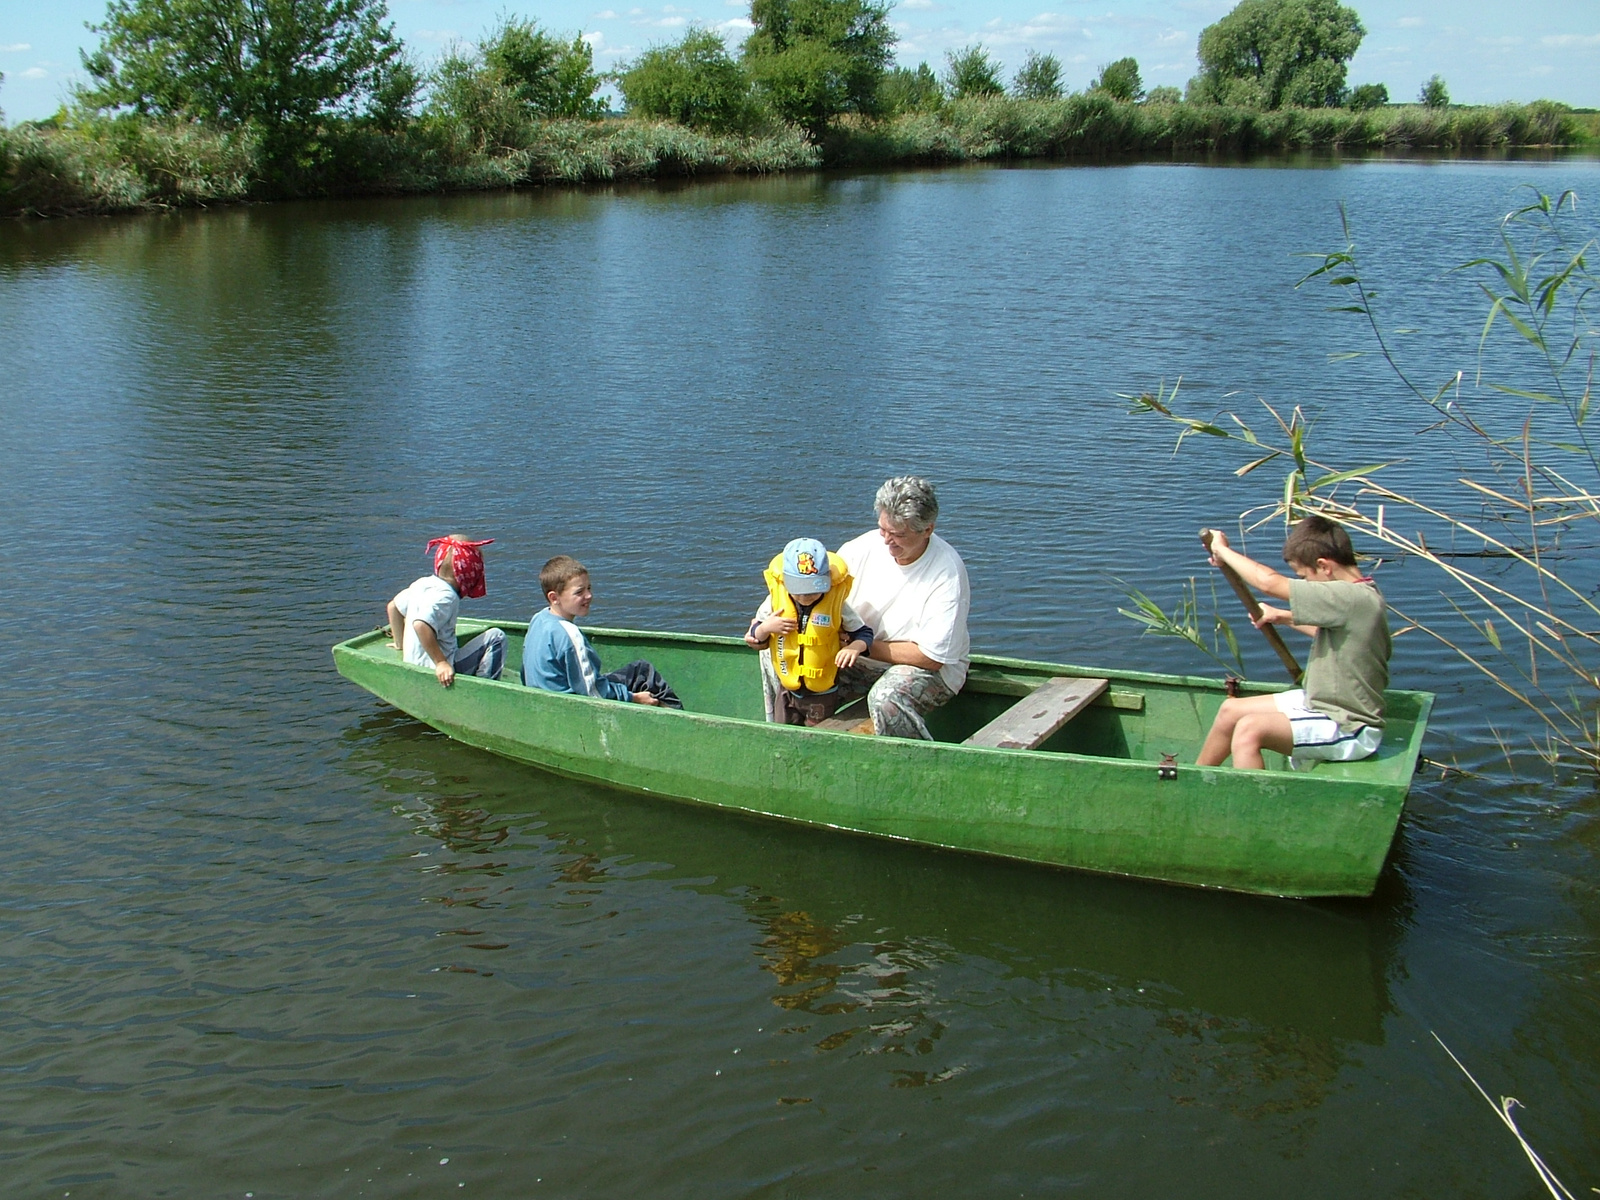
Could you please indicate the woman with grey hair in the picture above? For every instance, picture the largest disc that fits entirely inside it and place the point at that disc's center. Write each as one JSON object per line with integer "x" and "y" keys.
{"x": 911, "y": 588}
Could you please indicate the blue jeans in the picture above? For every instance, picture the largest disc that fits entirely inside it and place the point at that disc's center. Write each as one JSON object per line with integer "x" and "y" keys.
{"x": 483, "y": 656}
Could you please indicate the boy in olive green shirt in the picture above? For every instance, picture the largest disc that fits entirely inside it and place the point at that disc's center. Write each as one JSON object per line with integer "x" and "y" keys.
{"x": 1338, "y": 715}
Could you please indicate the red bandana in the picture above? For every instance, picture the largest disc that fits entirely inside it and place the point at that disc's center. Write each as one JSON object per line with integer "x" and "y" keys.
{"x": 468, "y": 561}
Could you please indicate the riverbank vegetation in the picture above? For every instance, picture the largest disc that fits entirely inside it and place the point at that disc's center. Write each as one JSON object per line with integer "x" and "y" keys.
{"x": 208, "y": 101}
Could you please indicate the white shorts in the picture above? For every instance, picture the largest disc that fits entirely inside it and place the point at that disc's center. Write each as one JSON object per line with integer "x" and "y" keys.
{"x": 1318, "y": 736}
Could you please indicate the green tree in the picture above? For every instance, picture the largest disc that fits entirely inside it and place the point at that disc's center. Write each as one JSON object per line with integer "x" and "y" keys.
{"x": 1434, "y": 94}
{"x": 1039, "y": 78}
{"x": 1163, "y": 95}
{"x": 552, "y": 76}
{"x": 814, "y": 59}
{"x": 971, "y": 72}
{"x": 1275, "y": 53}
{"x": 469, "y": 95}
{"x": 907, "y": 89}
{"x": 1120, "y": 80}
{"x": 1368, "y": 96}
{"x": 280, "y": 65}
{"x": 693, "y": 82}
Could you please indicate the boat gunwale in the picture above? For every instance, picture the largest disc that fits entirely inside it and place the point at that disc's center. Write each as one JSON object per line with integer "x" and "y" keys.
{"x": 1396, "y": 771}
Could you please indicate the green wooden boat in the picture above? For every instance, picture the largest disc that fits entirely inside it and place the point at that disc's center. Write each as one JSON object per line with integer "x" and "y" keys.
{"x": 1093, "y": 796}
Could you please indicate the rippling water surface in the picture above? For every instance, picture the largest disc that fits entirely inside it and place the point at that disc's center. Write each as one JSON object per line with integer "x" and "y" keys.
{"x": 262, "y": 935}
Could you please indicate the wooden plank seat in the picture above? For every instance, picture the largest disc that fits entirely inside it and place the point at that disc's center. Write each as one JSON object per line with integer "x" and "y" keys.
{"x": 849, "y": 719}
{"x": 1031, "y": 720}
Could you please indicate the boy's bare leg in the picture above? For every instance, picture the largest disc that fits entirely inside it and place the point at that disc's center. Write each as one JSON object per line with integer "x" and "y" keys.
{"x": 1244, "y": 727}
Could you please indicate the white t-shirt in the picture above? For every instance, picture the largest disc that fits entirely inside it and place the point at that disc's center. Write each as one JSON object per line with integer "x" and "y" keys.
{"x": 432, "y": 600}
{"x": 925, "y": 603}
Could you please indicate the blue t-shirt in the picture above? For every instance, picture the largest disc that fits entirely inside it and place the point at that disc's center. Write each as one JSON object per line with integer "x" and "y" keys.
{"x": 558, "y": 658}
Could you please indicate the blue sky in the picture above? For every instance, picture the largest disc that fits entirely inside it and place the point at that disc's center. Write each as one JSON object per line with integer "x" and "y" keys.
{"x": 1487, "y": 50}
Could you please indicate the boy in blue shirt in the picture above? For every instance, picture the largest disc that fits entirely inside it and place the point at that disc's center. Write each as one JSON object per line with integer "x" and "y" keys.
{"x": 558, "y": 658}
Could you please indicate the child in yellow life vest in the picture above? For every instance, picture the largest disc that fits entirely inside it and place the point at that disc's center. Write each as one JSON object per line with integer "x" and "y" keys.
{"x": 807, "y": 630}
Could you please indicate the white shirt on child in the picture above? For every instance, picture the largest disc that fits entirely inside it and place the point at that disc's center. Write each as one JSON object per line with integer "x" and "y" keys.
{"x": 431, "y": 600}
{"x": 925, "y": 603}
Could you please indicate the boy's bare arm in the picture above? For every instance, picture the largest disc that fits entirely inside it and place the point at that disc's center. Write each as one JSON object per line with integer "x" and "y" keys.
{"x": 1257, "y": 575}
{"x": 397, "y": 627}
{"x": 442, "y": 667}
{"x": 1272, "y": 615}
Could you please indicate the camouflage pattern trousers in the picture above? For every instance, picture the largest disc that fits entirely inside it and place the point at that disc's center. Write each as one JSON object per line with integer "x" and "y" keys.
{"x": 897, "y": 696}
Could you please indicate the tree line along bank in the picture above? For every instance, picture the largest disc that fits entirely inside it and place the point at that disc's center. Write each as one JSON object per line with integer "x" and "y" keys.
{"x": 202, "y": 101}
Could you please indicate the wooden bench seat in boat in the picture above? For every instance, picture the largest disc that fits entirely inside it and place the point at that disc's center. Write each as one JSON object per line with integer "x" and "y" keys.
{"x": 1030, "y": 721}
{"x": 848, "y": 720}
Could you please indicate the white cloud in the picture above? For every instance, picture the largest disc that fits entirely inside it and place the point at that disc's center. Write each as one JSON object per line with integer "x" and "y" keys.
{"x": 596, "y": 41}
{"x": 661, "y": 22}
{"x": 1409, "y": 22}
{"x": 15, "y": 48}
{"x": 35, "y": 73}
{"x": 1572, "y": 39}
{"x": 1045, "y": 27}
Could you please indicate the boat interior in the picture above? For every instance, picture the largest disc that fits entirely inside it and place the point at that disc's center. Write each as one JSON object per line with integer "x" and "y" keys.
{"x": 1007, "y": 703}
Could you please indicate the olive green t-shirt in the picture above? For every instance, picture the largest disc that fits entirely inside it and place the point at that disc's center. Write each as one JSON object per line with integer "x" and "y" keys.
{"x": 1349, "y": 665}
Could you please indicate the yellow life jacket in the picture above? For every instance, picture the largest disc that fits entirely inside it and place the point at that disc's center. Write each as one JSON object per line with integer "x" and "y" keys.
{"x": 806, "y": 656}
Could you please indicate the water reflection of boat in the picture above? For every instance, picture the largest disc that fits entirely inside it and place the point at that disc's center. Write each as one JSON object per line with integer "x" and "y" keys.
{"x": 1093, "y": 796}
{"x": 850, "y": 928}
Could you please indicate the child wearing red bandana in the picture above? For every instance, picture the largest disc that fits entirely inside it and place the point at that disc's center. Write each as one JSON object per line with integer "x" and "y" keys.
{"x": 422, "y": 618}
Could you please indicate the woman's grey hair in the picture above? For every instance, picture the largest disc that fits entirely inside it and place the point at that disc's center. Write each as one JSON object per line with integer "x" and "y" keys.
{"x": 908, "y": 500}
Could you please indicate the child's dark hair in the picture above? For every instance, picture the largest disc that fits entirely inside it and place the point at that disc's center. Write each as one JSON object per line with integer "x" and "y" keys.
{"x": 560, "y": 571}
{"x": 1317, "y": 538}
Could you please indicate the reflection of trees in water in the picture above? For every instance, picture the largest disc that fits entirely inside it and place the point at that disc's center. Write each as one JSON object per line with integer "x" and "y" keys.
{"x": 1247, "y": 1071}
{"x": 879, "y": 991}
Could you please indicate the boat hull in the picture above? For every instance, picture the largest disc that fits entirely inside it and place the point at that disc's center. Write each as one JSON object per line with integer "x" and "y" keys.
{"x": 1319, "y": 833}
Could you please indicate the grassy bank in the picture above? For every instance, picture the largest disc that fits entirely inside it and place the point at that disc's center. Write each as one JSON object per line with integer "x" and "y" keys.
{"x": 1093, "y": 125}
{"x": 127, "y": 164}
{"x": 100, "y": 165}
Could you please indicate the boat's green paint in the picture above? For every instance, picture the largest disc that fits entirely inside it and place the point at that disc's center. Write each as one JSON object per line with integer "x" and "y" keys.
{"x": 1091, "y": 798}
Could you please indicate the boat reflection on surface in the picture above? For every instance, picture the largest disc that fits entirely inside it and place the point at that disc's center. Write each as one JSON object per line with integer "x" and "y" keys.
{"x": 880, "y": 948}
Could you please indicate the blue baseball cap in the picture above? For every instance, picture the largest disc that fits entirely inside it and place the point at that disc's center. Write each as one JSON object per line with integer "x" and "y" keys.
{"x": 805, "y": 567}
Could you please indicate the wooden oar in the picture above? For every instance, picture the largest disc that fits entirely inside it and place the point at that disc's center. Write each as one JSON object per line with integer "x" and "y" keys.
{"x": 1285, "y": 655}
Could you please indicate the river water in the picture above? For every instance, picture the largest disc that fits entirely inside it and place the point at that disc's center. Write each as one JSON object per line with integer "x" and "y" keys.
{"x": 263, "y": 936}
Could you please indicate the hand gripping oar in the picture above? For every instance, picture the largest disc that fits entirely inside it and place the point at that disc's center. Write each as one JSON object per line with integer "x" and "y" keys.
{"x": 1285, "y": 655}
